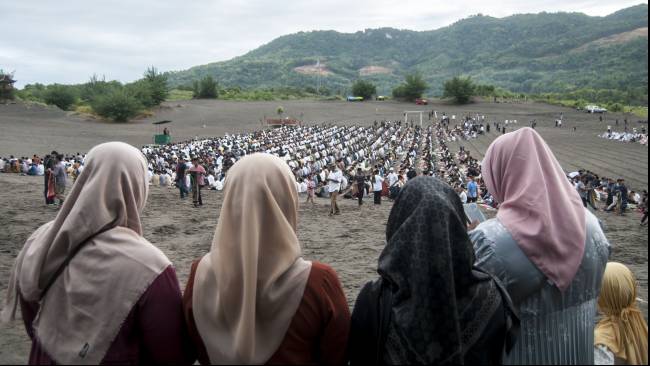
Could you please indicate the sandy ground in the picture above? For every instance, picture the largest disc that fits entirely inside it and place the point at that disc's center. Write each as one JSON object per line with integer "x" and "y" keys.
{"x": 350, "y": 243}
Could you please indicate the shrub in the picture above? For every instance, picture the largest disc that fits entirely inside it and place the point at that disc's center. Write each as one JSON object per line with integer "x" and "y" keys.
{"x": 117, "y": 105}
{"x": 460, "y": 89}
{"x": 615, "y": 107}
{"x": 206, "y": 88}
{"x": 142, "y": 91}
{"x": 364, "y": 89}
{"x": 412, "y": 88}
{"x": 157, "y": 85}
{"x": 60, "y": 96}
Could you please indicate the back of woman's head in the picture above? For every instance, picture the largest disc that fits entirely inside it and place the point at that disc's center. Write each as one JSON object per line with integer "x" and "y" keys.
{"x": 112, "y": 187}
{"x": 537, "y": 204}
{"x": 618, "y": 291}
{"x": 426, "y": 223}
{"x": 110, "y": 192}
{"x": 260, "y": 210}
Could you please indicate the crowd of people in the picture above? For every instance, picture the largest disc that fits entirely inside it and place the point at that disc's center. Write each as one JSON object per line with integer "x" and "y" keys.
{"x": 531, "y": 286}
{"x": 635, "y": 135}
{"x": 613, "y": 194}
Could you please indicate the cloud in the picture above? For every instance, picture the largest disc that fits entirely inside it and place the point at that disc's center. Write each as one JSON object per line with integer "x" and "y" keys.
{"x": 67, "y": 41}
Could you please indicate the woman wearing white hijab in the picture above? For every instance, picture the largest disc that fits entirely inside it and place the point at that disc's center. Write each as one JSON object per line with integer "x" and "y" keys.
{"x": 252, "y": 299}
{"x": 91, "y": 289}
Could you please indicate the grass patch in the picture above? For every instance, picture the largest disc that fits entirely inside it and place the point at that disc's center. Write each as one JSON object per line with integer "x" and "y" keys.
{"x": 641, "y": 112}
{"x": 177, "y": 94}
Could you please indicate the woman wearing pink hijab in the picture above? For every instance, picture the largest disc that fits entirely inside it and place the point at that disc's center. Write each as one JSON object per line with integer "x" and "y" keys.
{"x": 549, "y": 251}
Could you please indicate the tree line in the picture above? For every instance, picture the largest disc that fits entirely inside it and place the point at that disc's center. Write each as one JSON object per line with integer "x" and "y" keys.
{"x": 121, "y": 102}
{"x": 109, "y": 99}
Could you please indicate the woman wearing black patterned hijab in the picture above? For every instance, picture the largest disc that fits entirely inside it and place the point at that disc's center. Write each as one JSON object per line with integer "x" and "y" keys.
{"x": 430, "y": 305}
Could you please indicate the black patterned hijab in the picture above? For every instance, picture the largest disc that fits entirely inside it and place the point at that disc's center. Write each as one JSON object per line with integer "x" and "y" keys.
{"x": 440, "y": 304}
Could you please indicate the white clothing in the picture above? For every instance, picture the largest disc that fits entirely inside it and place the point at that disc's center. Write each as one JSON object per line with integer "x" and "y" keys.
{"x": 377, "y": 184}
{"x": 334, "y": 181}
{"x": 392, "y": 179}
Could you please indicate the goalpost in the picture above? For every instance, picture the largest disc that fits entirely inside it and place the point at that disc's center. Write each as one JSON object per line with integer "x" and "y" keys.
{"x": 406, "y": 115}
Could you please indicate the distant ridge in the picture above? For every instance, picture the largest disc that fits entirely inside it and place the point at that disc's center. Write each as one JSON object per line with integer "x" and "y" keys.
{"x": 533, "y": 53}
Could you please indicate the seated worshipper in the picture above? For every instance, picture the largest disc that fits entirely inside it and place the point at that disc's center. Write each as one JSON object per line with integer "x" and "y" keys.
{"x": 211, "y": 182}
{"x": 33, "y": 170}
{"x": 155, "y": 179}
{"x": 168, "y": 180}
{"x": 40, "y": 169}
{"x": 621, "y": 335}
{"x": 430, "y": 305}
{"x": 91, "y": 289}
{"x": 253, "y": 299}
{"x": 551, "y": 258}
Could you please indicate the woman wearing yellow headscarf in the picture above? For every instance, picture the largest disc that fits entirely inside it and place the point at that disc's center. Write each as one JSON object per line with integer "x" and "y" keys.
{"x": 621, "y": 336}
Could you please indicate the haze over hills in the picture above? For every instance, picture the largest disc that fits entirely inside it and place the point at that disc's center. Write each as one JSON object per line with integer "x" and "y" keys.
{"x": 532, "y": 53}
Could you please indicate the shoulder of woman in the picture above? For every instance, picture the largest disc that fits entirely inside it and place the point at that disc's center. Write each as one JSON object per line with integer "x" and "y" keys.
{"x": 321, "y": 268}
{"x": 323, "y": 275}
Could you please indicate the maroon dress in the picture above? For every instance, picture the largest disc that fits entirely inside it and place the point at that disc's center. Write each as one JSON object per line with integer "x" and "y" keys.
{"x": 319, "y": 331}
{"x": 153, "y": 333}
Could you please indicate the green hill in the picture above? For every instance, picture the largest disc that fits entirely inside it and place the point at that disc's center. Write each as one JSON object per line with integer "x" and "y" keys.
{"x": 531, "y": 53}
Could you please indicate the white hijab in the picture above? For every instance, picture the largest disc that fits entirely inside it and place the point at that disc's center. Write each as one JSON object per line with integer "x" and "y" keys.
{"x": 248, "y": 287}
{"x": 82, "y": 312}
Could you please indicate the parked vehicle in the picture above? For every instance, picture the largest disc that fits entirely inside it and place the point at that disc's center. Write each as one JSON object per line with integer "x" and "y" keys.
{"x": 381, "y": 98}
{"x": 595, "y": 109}
{"x": 421, "y": 101}
{"x": 352, "y": 98}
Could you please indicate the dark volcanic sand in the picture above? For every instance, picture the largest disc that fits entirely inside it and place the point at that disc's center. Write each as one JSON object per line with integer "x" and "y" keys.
{"x": 350, "y": 243}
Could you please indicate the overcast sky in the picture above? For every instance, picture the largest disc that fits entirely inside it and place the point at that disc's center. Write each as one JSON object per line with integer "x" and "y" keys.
{"x": 66, "y": 41}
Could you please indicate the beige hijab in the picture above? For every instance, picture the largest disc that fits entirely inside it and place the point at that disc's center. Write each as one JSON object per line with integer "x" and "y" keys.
{"x": 82, "y": 312}
{"x": 248, "y": 288}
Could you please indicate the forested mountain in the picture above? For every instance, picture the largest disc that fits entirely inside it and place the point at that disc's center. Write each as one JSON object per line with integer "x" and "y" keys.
{"x": 532, "y": 53}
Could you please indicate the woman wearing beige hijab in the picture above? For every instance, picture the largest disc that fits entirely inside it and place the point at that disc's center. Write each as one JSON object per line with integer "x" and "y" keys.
{"x": 252, "y": 299}
{"x": 91, "y": 289}
{"x": 621, "y": 336}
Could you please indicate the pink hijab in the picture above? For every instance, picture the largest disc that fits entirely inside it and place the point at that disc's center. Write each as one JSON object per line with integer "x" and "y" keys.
{"x": 539, "y": 207}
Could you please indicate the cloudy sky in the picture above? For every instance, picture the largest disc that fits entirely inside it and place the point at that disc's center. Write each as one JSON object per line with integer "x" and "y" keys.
{"x": 66, "y": 41}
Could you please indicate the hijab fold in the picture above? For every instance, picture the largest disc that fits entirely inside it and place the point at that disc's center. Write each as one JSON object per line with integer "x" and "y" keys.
{"x": 537, "y": 203}
{"x": 249, "y": 286}
{"x": 94, "y": 255}
{"x": 622, "y": 328}
{"x": 441, "y": 304}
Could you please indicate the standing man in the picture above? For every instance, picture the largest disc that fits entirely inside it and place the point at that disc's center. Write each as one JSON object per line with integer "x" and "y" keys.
{"x": 392, "y": 178}
{"x": 472, "y": 190}
{"x": 360, "y": 181}
{"x": 377, "y": 186}
{"x": 198, "y": 173}
{"x": 622, "y": 188}
{"x": 49, "y": 166}
{"x": 181, "y": 169}
{"x": 334, "y": 180}
{"x": 59, "y": 173}
{"x": 461, "y": 193}
{"x": 610, "y": 192}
